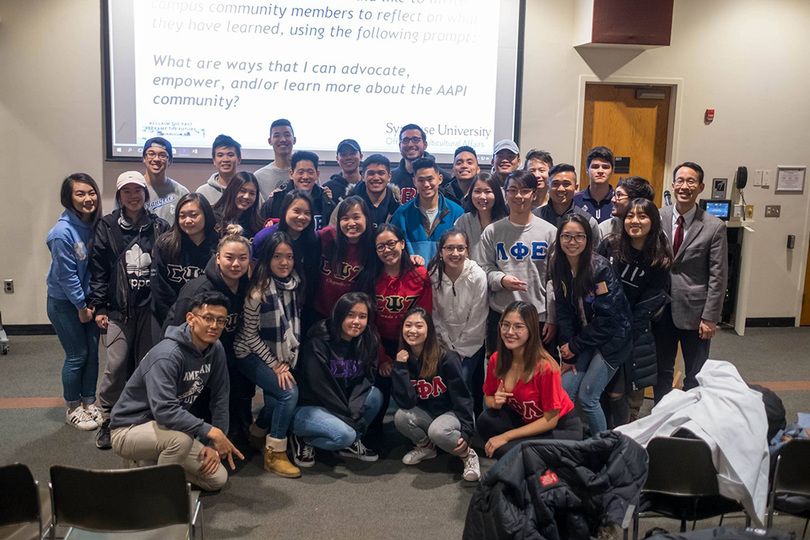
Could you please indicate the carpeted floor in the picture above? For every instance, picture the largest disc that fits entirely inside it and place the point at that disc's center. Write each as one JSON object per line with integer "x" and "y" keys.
{"x": 337, "y": 498}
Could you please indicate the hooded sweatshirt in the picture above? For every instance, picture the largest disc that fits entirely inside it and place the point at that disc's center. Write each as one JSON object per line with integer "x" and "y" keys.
{"x": 460, "y": 309}
{"x": 329, "y": 376}
{"x": 211, "y": 189}
{"x": 121, "y": 262}
{"x": 168, "y": 277}
{"x": 169, "y": 380}
{"x": 445, "y": 392}
{"x": 522, "y": 251}
{"x": 421, "y": 236}
{"x": 211, "y": 281}
{"x": 68, "y": 276}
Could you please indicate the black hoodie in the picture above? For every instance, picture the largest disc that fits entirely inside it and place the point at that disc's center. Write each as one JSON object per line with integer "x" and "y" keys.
{"x": 445, "y": 392}
{"x": 168, "y": 277}
{"x": 211, "y": 281}
{"x": 329, "y": 377}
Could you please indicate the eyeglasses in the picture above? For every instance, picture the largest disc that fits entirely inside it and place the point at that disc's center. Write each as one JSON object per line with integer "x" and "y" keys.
{"x": 691, "y": 182}
{"x": 517, "y": 328}
{"x": 212, "y": 321}
{"x": 578, "y": 238}
{"x": 159, "y": 155}
{"x": 451, "y": 249}
{"x": 391, "y": 244}
{"x": 407, "y": 140}
{"x": 620, "y": 196}
{"x": 526, "y": 192}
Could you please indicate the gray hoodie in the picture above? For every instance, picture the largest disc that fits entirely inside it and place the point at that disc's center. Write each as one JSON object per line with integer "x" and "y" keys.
{"x": 168, "y": 381}
{"x": 211, "y": 190}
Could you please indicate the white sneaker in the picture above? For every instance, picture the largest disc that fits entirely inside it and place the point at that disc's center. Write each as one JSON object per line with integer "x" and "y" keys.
{"x": 95, "y": 414}
{"x": 80, "y": 419}
{"x": 419, "y": 453}
{"x": 472, "y": 470}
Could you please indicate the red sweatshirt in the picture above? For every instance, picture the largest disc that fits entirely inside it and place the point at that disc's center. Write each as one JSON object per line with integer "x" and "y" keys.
{"x": 332, "y": 286}
{"x": 395, "y": 296}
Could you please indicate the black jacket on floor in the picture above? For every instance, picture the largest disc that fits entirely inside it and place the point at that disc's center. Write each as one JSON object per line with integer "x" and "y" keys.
{"x": 558, "y": 489}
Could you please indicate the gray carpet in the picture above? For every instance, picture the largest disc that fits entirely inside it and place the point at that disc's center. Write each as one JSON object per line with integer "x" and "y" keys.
{"x": 337, "y": 498}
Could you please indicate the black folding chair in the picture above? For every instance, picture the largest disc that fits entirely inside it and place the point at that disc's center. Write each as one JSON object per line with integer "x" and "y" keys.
{"x": 155, "y": 502}
{"x": 682, "y": 483}
{"x": 791, "y": 477}
{"x": 23, "y": 513}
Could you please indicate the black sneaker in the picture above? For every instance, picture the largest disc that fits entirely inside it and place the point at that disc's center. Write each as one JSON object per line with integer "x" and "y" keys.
{"x": 103, "y": 436}
{"x": 303, "y": 454}
{"x": 359, "y": 451}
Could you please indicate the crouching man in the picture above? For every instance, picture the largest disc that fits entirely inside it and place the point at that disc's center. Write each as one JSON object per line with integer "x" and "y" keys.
{"x": 151, "y": 423}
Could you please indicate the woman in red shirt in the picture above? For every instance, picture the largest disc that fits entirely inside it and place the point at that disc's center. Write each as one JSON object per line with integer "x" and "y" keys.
{"x": 400, "y": 286}
{"x": 347, "y": 255}
{"x": 525, "y": 378}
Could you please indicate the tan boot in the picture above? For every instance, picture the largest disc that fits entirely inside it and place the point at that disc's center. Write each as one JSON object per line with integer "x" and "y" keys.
{"x": 257, "y": 437}
{"x": 276, "y": 461}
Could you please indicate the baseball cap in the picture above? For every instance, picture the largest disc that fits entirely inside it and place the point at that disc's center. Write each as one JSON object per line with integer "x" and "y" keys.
{"x": 158, "y": 142}
{"x": 506, "y": 144}
{"x": 350, "y": 143}
{"x": 130, "y": 177}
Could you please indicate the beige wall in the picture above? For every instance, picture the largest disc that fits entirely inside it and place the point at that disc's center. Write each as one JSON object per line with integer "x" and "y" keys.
{"x": 745, "y": 58}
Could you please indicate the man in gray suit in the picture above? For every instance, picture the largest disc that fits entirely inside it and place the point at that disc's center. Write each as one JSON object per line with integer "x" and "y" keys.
{"x": 699, "y": 274}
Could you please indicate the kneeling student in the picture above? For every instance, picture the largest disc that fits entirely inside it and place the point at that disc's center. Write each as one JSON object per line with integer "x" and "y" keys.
{"x": 523, "y": 389}
{"x": 335, "y": 373}
{"x": 436, "y": 407}
{"x": 151, "y": 423}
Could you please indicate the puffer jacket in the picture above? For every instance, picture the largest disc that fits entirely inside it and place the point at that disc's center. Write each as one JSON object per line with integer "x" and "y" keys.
{"x": 606, "y": 311}
{"x": 650, "y": 298}
{"x": 558, "y": 489}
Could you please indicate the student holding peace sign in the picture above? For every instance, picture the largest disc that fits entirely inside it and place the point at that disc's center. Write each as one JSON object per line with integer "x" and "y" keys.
{"x": 522, "y": 389}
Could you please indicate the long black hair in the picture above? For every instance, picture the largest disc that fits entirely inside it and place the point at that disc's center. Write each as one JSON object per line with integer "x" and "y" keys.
{"x": 656, "y": 251}
{"x": 365, "y": 244}
{"x": 366, "y": 345}
{"x": 66, "y": 194}
{"x": 168, "y": 245}
{"x": 286, "y": 202}
{"x": 262, "y": 275}
{"x": 499, "y": 209}
{"x": 560, "y": 267}
{"x": 405, "y": 264}
{"x": 432, "y": 350}
{"x": 436, "y": 264}
{"x": 226, "y": 205}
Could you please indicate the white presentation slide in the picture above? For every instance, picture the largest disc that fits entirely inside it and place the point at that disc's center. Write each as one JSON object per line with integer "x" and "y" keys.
{"x": 359, "y": 69}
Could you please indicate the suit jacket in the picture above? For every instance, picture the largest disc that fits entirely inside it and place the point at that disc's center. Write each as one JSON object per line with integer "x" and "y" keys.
{"x": 700, "y": 270}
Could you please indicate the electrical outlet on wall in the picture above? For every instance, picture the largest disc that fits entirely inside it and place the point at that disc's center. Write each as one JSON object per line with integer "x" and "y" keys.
{"x": 8, "y": 286}
{"x": 766, "y": 178}
{"x": 749, "y": 211}
{"x": 758, "y": 177}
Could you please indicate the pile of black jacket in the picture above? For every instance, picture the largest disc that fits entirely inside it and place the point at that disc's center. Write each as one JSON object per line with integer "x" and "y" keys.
{"x": 559, "y": 489}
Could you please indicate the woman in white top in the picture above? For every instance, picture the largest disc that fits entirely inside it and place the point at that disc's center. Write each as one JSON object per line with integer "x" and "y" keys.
{"x": 484, "y": 204}
{"x": 460, "y": 307}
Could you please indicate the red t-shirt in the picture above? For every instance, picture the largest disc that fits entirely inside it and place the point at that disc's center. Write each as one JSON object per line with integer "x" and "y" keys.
{"x": 331, "y": 285}
{"x": 542, "y": 393}
{"x": 396, "y": 296}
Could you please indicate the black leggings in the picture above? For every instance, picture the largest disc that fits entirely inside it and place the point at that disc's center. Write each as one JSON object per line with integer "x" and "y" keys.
{"x": 493, "y": 422}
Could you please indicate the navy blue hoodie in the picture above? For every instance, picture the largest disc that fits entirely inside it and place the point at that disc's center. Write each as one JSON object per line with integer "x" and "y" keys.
{"x": 168, "y": 381}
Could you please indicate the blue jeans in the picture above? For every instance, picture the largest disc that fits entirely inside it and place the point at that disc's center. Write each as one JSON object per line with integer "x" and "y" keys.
{"x": 279, "y": 404}
{"x": 593, "y": 374}
{"x": 80, "y": 342}
{"x": 322, "y": 429}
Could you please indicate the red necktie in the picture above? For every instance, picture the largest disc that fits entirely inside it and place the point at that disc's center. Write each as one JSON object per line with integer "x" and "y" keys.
{"x": 678, "y": 240}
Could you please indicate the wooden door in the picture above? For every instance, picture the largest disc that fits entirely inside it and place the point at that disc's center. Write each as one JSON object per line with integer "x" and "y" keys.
{"x": 630, "y": 127}
{"x": 805, "y": 318}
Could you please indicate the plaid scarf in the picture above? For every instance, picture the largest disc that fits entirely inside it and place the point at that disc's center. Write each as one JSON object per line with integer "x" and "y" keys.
{"x": 282, "y": 295}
